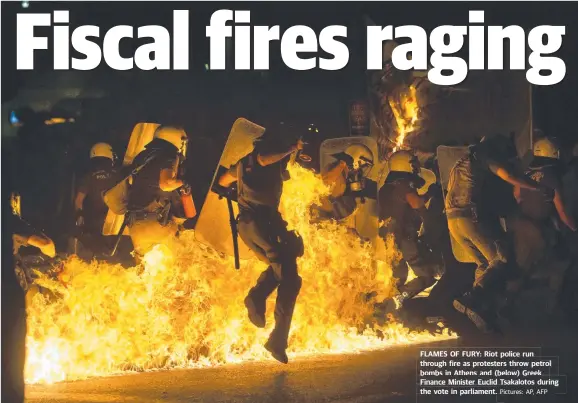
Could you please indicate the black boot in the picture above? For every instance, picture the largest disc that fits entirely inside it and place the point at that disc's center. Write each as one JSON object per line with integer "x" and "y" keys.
{"x": 277, "y": 350}
{"x": 284, "y": 307}
{"x": 477, "y": 310}
{"x": 256, "y": 310}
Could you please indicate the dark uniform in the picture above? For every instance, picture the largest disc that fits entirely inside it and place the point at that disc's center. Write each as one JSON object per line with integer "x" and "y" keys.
{"x": 404, "y": 224}
{"x": 264, "y": 231}
{"x": 101, "y": 176}
{"x": 148, "y": 205}
{"x": 533, "y": 227}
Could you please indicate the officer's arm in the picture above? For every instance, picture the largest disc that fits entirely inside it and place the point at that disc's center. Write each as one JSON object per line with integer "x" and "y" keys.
{"x": 418, "y": 203}
{"x": 227, "y": 179}
{"x": 268, "y": 159}
{"x": 506, "y": 175}
{"x": 168, "y": 179}
{"x": 561, "y": 209}
{"x": 79, "y": 200}
{"x": 229, "y": 176}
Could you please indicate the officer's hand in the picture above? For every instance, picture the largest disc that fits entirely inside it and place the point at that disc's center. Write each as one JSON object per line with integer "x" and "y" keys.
{"x": 299, "y": 145}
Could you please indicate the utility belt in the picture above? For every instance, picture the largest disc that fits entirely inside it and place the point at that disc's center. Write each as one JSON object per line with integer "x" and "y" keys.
{"x": 265, "y": 215}
{"x": 161, "y": 215}
{"x": 290, "y": 240}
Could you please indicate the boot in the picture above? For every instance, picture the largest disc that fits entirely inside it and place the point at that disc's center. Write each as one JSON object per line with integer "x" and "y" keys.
{"x": 256, "y": 310}
{"x": 472, "y": 305}
{"x": 277, "y": 350}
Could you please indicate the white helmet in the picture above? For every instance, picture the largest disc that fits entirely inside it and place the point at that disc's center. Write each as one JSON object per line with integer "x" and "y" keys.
{"x": 103, "y": 150}
{"x": 177, "y": 137}
{"x": 403, "y": 161}
{"x": 546, "y": 148}
{"x": 361, "y": 154}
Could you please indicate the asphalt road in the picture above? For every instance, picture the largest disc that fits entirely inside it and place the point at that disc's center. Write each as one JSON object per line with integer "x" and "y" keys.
{"x": 387, "y": 375}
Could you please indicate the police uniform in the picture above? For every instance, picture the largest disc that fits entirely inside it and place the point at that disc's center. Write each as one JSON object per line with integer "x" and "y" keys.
{"x": 264, "y": 231}
{"x": 99, "y": 178}
{"x": 404, "y": 224}
{"x": 148, "y": 205}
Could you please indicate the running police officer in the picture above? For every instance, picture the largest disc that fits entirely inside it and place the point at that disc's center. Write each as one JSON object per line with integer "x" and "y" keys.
{"x": 259, "y": 176}
{"x": 151, "y": 195}
{"x": 400, "y": 203}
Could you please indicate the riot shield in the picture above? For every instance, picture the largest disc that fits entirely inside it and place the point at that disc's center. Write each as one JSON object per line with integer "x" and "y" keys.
{"x": 142, "y": 134}
{"x": 447, "y": 157}
{"x": 365, "y": 218}
{"x": 213, "y": 227}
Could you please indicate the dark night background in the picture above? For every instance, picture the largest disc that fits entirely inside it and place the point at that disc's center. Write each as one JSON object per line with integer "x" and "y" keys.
{"x": 206, "y": 103}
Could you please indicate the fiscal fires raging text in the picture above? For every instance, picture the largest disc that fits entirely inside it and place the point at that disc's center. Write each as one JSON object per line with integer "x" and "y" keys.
{"x": 531, "y": 50}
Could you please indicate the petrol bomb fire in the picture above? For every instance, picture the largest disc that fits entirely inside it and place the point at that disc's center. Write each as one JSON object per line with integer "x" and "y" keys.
{"x": 406, "y": 115}
{"x": 185, "y": 307}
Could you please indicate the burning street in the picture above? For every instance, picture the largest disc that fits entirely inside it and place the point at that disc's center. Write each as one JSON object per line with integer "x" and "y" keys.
{"x": 386, "y": 375}
{"x": 378, "y": 376}
{"x": 185, "y": 308}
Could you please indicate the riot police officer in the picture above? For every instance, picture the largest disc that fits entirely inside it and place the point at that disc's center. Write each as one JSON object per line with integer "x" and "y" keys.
{"x": 347, "y": 178}
{"x": 259, "y": 176}
{"x": 151, "y": 195}
{"x": 90, "y": 208}
{"x": 404, "y": 211}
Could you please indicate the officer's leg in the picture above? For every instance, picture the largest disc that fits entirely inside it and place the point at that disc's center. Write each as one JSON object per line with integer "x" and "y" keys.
{"x": 284, "y": 267}
{"x": 424, "y": 271}
{"x": 254, "y": 237}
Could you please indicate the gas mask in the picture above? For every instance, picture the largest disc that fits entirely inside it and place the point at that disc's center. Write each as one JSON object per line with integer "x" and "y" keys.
{"x": 362, "y": 162}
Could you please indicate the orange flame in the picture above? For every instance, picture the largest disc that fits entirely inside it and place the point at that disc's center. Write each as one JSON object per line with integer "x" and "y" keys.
{"x": 184, "y": 308}
{"x": 406, "y": 115}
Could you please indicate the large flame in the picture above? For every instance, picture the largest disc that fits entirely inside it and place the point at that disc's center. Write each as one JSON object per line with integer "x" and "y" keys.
{"x": 406, "y": 114}
{"x": 185, "y": 309}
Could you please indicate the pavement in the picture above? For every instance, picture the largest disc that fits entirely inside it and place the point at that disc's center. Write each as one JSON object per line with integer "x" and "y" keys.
{"x": 387, "y": 375}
